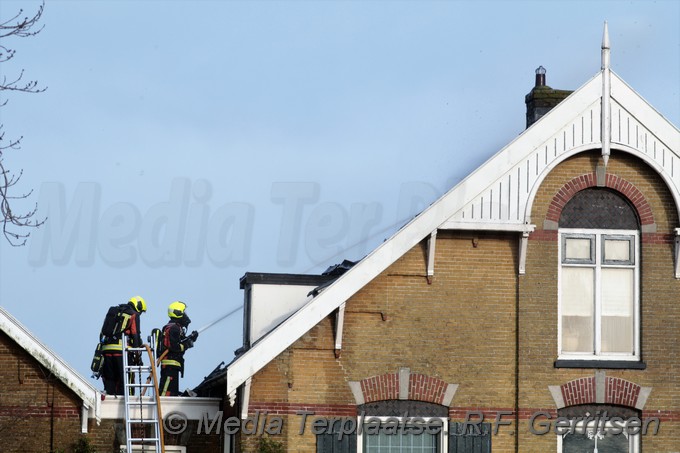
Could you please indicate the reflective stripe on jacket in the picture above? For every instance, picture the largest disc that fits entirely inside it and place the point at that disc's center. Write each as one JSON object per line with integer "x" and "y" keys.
{"x": 166, "y": 362}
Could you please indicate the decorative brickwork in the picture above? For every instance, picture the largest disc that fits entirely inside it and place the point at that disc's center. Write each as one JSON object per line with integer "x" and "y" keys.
{"x": 621, "y": 392}
{"x": 426, "y": 388}
{"x": 579, "y": 391}
{"x": 377, "y": 388}
{"x": 614, "y": 182}
{"x": 421, "y": 387}
{"x": 616, "y": 391}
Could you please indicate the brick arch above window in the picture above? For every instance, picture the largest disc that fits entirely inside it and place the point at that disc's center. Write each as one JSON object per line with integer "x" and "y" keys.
{"x": 403, "y": 385}
{"x": 613, "y": 182}
{"x": 600, "y": 389}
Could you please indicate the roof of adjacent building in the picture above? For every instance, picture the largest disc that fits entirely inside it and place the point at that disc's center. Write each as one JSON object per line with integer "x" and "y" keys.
{"x": 49, "y": 359}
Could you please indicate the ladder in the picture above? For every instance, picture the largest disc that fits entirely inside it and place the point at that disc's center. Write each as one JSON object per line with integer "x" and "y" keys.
{"x": 141, "y": 410}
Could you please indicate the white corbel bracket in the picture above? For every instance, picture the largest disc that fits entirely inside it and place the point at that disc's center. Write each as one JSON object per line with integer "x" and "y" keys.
{"x": 245, "y": 398}
{"x": 84, "y": 411}
{"x": 339, "y": 322}
{"x": 523, "y": 243}
{"x": 677, "y": 253}
{"x": 431, "y": 242}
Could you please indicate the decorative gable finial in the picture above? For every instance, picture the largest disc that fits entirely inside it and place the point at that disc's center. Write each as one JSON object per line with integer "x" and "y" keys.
{"x": 605, "y": 138}
{"x": 605, "y": 47}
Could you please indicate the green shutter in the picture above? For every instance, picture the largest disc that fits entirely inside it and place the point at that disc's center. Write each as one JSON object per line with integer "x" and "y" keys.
{"x": 329, "y": 443}
{"x": 469, "y": 441}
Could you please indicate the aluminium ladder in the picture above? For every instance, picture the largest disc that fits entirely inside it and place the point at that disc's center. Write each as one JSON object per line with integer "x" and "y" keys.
{"x": 141, "y": 411}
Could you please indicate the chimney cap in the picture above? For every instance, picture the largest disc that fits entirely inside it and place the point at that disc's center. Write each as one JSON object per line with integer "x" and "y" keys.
{"x": 540, "y": 77}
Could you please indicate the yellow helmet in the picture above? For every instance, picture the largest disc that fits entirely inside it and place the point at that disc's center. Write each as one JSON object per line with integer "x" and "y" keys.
{"x": 138, "y": 303}
{"x": 176, "y": 309}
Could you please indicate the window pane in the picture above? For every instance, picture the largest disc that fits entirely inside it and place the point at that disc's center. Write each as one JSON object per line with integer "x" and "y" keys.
{"x": 400, "y": 443}
{"x": 618, "y": 291}
{"x": 577, "y": 309}
{"x": 577, "y": 249}
{"x": 606, "y": 442}
{"x": 617, "y": 250}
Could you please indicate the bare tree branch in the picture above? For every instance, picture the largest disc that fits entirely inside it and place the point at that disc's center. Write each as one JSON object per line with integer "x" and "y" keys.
{"x": 15, "y": 224}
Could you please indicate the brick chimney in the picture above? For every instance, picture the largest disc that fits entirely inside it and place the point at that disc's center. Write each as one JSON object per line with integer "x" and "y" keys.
{"x": 542, "y": 98}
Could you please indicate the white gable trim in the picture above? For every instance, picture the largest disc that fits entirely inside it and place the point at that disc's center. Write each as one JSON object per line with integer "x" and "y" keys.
{"x": 498, "y": 191}
{"x": 55, "y": 364}
{"x": 644, "y": 113}
{"x": 501, "y": 191}
{"x": 636, "y": 128}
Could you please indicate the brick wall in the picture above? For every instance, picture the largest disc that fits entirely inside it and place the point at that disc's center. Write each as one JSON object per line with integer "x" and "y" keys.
{"x": 38, "y": 413}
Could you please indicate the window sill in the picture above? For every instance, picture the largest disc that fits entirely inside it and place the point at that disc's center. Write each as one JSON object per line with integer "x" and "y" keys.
{"x": 605, "y": 364}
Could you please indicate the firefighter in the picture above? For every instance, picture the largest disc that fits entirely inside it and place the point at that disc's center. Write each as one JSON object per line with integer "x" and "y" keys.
{"x": 175, "y": 341}
{"x": 121, "y": 319}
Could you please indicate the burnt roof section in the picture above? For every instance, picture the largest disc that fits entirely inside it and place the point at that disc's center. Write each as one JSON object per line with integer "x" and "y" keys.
{"x": 252, "y": 278}
{"x": 334, "y": 271}
{"x": 339, "y": 269}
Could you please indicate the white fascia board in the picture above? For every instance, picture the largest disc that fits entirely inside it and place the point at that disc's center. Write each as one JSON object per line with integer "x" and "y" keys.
{"x": 193, "y": 408}
{"x": 245, "y": 366}
{"x": 47, "y": 358}
{"x": 487, "y": 226}
{"x": 647, "y": 115}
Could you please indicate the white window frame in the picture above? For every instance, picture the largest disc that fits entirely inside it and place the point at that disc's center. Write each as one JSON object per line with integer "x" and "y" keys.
{"x": 598, "y": 234}
{"x": 633, "y": 439}
{"x": 443, "y": 436}
{"x": 150, "y": 448}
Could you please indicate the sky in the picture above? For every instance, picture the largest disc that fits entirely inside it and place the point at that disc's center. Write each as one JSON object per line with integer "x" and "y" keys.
{"x": 180, "y": 144}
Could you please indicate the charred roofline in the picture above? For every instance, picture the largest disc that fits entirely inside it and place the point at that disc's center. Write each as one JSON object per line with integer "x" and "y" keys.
{"x": 261, "y": 278}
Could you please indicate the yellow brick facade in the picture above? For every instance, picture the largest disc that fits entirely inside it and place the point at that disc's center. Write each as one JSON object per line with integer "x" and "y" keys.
{"x": 480, "y": 325}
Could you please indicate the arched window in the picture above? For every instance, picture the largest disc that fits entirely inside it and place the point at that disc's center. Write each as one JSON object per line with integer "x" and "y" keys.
{"x": 599, "y": 273}
{"x": 602, "y": 428}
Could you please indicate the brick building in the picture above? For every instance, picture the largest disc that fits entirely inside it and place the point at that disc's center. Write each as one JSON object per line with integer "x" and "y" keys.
{"x": 46, "y": 406}
{"x": 539, "y": 294}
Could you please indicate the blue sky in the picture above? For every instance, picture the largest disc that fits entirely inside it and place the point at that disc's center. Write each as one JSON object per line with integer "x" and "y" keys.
{"x": 181, "y": 144}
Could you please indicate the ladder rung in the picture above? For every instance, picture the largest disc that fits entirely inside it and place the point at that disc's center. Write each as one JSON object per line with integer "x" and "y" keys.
{"x": 141, "y": 403}
{"x": 138, "y": 385}
{"x": 142, "y": 420}
{"x": 144, "y": 439}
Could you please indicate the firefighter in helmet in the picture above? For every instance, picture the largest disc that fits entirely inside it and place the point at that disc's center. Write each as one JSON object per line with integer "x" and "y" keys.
{"x": 175, "y": 341}
{"x": 121, "y": 319}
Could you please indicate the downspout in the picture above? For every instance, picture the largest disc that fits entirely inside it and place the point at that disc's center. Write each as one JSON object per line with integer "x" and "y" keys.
{"x": 52, "y": 419}
{"x": 516, "y": 402}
